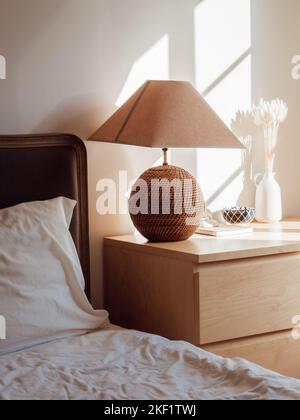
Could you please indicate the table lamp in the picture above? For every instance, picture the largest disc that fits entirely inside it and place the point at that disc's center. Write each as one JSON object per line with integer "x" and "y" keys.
{"x": 166, "y": 203}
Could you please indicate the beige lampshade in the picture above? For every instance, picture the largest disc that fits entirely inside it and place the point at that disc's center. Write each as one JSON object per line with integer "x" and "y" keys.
{"x": 167, "y": 114}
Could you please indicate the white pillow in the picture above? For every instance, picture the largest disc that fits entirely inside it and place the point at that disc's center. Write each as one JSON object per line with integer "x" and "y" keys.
{"x": 41, "y": 282}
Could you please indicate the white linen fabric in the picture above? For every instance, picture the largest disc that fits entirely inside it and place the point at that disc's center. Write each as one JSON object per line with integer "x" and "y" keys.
{"x": 41, "y": 281}
{"x": 120, "y": 364}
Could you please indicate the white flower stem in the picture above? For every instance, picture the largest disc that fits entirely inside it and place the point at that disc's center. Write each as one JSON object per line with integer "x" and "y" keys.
{"x": 271, "y": 137}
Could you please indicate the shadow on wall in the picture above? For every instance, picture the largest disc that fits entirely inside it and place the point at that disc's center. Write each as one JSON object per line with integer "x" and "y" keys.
{"x": 22, "y": 27}
{"x": 83, "y": 63}
{"x": 74, "y": 115}
{"x": 104, "y": 59}
{"x": 72, "y": 61}
{"x": 275, "y": 37}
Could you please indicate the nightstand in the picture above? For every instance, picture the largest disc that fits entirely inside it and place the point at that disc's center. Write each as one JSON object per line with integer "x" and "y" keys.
{"x": 235, "y": 296}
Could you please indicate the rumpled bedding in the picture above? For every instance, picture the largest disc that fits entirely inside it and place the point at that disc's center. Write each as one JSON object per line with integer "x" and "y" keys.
{"x": 115, "y": 364}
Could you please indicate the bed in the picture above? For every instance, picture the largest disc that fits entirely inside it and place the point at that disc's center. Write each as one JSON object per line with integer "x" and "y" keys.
{"x": 110, "y": 363}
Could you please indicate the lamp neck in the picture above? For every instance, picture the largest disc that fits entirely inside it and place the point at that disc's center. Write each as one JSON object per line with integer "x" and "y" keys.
{"x": 165, "y": 151}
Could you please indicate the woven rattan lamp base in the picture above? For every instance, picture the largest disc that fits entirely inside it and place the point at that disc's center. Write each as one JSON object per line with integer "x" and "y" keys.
{"x": 166, "y": 204}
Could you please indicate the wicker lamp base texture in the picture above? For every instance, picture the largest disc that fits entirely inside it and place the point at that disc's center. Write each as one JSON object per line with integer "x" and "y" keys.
{"x": 171, "y": 227}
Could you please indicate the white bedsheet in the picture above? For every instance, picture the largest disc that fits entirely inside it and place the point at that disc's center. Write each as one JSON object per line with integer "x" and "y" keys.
{"x": 122, "y": 364}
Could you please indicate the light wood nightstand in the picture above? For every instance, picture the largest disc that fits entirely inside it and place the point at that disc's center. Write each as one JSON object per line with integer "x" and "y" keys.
{"x": 235, "y": 297}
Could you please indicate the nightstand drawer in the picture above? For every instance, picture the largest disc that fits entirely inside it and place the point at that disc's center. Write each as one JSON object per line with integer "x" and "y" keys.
{"x": 277, "y": 351}
{"x": 248, "y": 297}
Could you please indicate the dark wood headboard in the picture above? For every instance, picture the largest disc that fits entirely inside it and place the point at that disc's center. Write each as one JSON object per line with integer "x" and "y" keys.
{"x": 42, "y": 167}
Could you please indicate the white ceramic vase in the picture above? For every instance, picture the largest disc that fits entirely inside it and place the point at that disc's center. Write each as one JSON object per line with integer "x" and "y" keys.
{"x": 268, "y": 198}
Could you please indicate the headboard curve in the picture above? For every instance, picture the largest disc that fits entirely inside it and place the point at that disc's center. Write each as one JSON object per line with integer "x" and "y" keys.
{"x": 45, "y": 166}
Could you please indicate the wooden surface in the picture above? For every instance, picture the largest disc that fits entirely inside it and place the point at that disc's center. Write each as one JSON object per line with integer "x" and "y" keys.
{"x": 232, "y": 296}
{"x": 248, "y": 297}
{"x": 278, "y": 352}
{"x": 150, "y": 294}
{"x": 274, "y": 239}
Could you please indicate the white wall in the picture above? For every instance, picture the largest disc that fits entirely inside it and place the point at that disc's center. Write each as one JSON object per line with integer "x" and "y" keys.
{"x": 69, "y": 62}
{"x": 223, "y": 76}
{"x": 275, "y": 40}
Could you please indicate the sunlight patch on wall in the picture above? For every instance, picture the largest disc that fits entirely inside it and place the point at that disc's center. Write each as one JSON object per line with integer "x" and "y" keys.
{"x": 223, "y": 76}
{"x": 233, "y": 92}
{"x": 221, "y": 177}
{"x": 223, "y": 34}
{"x": 152, "y": 65}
